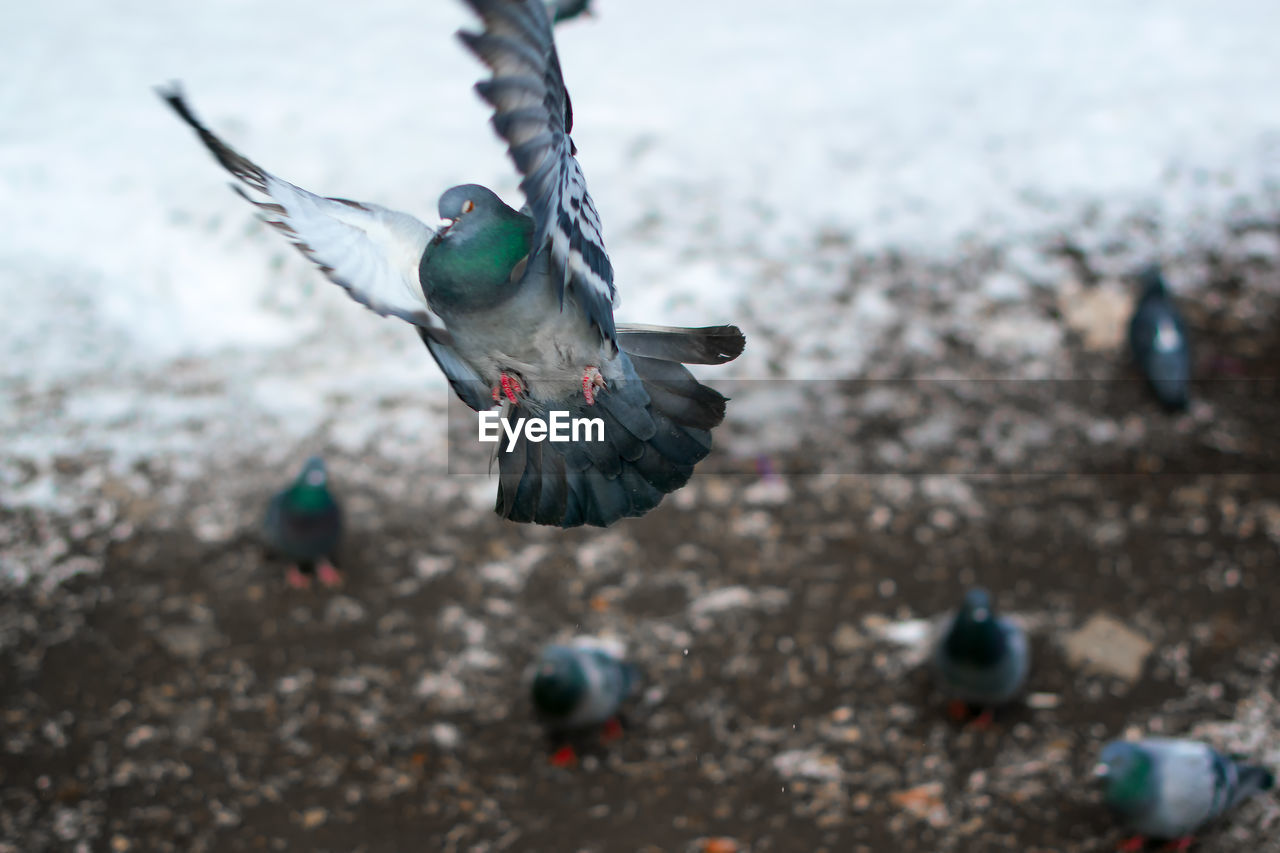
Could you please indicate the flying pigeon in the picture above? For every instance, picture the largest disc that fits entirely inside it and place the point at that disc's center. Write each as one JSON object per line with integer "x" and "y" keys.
{"x": 566, "y": 10}
{"x": 981, "y": 659}
{"x": 1158, "y": 340}
{"x": 580, "y": 687}
{"x": 1167, "y": 788}
{"x": 304, "y": 524}
{"x": 516, "y": 306}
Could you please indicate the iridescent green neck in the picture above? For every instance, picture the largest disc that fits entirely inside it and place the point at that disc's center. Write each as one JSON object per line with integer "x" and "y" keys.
{"x": 304, "y": 497}
{"x": 1132, "y": 786}
{"x": 470, "y": 266}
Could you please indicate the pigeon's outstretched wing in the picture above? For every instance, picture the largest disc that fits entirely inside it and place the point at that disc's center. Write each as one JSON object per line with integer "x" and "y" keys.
{"x": 533, "y": 114}
{"x": 370, "y": 251}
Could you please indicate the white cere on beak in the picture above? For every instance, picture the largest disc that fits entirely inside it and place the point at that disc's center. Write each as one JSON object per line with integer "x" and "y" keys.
{"x": 980, "y": 614}
{"x": 1101, "y": 770}
{"x": 315, "y": 478}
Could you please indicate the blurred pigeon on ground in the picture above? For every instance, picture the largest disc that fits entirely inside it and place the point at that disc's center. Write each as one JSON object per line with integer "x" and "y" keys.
{"x": 579, "y": 687}
{"x": 304, "y": 524}
{"x": 981, "y": 659}
{"x": 515, "y": 306}
{"x": 1167, "y": 788}
{"x": 567, "y": 10}
{"x": 1158, "y": 340}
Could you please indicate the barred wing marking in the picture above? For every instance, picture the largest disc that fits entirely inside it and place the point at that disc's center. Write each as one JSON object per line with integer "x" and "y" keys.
{"x": 532, "y": 113}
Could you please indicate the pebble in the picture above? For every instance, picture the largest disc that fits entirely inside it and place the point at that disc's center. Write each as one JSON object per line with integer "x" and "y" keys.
{"x": 1108, "y": 646}
{"x": 343, "y": 609}
{"x": 923, "y": 801}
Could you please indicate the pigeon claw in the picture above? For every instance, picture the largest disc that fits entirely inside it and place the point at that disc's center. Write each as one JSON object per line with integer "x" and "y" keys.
{"x": 564, "y": 757}
{"x": 983, "y": 721}
{"x": 958, "y": 710}
{"x": 508, "y": 386}
{"x": 296, "y": 578}
{"x": 1180, "y": 843}
{"x": 329, "y": 576}
{"x": 1132, "y": 845}
{"x": 611, "y": 730}
{"x": 591, "y": 380}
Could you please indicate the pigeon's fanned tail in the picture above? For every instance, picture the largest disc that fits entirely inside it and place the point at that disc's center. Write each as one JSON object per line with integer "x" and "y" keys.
{"x": 656, "y": 428}
{"x": 674, "y": 391}
{"x": 705, "y": 345}
{"x": 1250, "y": 780}
{"x": 520, "y": 488}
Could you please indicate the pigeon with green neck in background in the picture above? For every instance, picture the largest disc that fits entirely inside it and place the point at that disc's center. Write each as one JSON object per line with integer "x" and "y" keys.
{"x": 1168, "y": 788}
{"x": 580, "y": 687}
{"x": 981, "y": 659}
{"x": 304, "y": 524}
{"x": 1158, "y": 341}
{"x": 516, "y": 306}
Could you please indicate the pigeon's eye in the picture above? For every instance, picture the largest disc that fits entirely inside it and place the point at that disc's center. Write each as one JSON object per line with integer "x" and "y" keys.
{"x": 468, "y": 206}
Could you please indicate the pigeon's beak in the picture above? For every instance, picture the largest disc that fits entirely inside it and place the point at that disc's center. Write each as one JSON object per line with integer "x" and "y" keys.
{"x": 448, "y": 223}
{"x": 1101, "y": 770}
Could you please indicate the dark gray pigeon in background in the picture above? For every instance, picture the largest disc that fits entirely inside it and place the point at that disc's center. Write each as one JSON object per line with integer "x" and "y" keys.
{"x": 1158, "y": 341}
{"x": 981, "y": 659}
{"x": 304, "y": 524}
{"x": 1168, "y": 788}
{"x": 579, "y": 687}
{"x": 517, "y": 306}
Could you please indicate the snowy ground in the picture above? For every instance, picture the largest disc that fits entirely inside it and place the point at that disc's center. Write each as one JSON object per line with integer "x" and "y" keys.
{"x": 878, "y": 190}
{"x": 725, "y": 150}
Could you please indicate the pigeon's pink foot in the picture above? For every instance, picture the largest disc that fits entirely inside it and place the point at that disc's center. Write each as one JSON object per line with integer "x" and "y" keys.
{"x": 983, "y": 721}
{"x": 1132, "y": 845}
{"x": 591, "y": 380}
{"x": 958, "y": 710}
{"x": 1180, "y": 843}
{"x": 296, "y": 579}
{"x": 564, "y": 757}
{"x": 329, "y": 576}
{"x": 611, "y": 730}
{"x": 509, "y": 386}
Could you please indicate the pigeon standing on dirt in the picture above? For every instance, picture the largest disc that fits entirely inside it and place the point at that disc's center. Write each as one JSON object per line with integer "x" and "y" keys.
{"x": 580, "y": 687}
{"x": 981, "y": 659}
{"x": 1168, "y": 788}
{"x": 304, "y": 524}
{"x": 516, "y": 307}
{"x": 1158, "y": 340}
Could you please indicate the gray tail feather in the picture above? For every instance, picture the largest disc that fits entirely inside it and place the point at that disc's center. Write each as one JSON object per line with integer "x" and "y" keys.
{"x": 704, "y": 345}
{"x": 1251, "y": 779}
{"x": 633, "y": 678}
{"x": 657, "y": 426}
